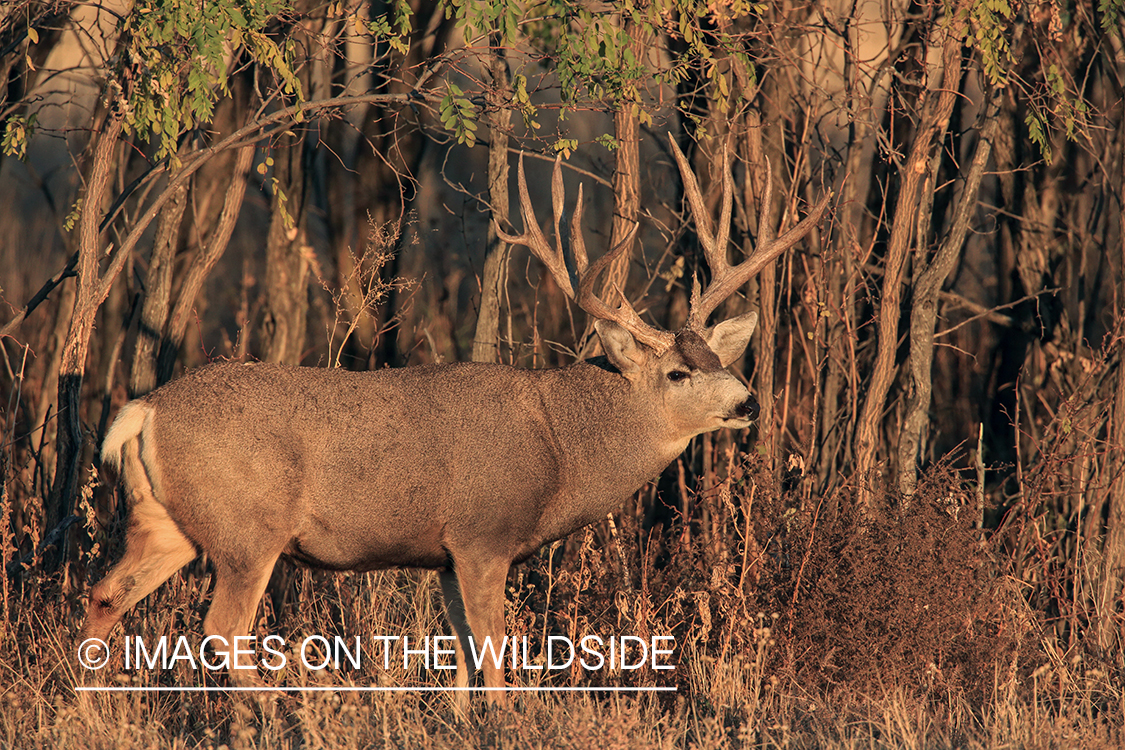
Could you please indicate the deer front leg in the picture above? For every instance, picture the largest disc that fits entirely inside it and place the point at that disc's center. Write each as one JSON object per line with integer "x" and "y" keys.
{"x": 238, "y": 591}
{"x": 474, "y": 602}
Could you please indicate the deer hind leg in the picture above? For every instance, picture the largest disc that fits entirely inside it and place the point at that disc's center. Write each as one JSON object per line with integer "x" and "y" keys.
{"x": 238, "y": 590}
{"x": 155, "y": 548}
{"x": 474, "y": 600}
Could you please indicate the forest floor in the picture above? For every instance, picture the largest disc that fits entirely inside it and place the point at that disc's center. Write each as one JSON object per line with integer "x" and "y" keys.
{"x": 823, "y": 628}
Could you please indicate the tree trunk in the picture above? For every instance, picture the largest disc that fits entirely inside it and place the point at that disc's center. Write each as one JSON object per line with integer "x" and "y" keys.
{"x": 47, "y": 404}
{"x": 91, "y": 291}
{"x": 1110, "y": 630}
{"x": 287, "y": 296}
{"x": 935, "y": 119}
{"x": 767, "y": 293}
{"x": 204, "y": 262}
{"x": 486, "y": 340}
{"x": 626, "y": 200}
{"x": 923, "y": 311}
{"x": 626, "y": 181}
{"x": 1110, "y": 627}
{"x": 157, "y": 295}
{"x": 839, "y": 393}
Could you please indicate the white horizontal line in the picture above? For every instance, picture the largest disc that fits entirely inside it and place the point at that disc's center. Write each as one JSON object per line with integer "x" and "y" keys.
{"x": 372, "y": 689}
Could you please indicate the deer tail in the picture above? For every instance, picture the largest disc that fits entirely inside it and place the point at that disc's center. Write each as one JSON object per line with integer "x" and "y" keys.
{"x": 127, "y": 426}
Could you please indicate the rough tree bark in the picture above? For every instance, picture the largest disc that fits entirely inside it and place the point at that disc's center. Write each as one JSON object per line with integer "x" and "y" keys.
{"x": 935, "y": 119}
{"x": 92, "y": 289}
{"x": 923, "y": 311}
{"x": 157, "y": 294}
{"x": 839, "y": 399}
{"x": 287, "y": 269}
{"x": 767, "y": 292}
{"x": 1110, "y": 627}
{"x": 47, "y": 404}
{"x": 626, "y": 179}
{"x": 204, "y": 262}
{"x": 486, "y": 340}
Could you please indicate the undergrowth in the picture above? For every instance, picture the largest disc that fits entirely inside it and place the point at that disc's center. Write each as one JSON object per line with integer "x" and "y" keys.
{"x": 798, "y": 622}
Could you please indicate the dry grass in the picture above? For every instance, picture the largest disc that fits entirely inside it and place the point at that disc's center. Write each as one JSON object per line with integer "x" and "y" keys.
{"x": 889, "y": 629}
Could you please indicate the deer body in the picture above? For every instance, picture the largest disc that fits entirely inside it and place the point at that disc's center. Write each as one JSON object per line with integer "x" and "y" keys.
{"x": 466, "y": 468}
{"x": 335, "y": 463}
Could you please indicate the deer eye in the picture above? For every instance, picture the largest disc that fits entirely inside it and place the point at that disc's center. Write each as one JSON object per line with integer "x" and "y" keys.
{"x": 677, "y": 375}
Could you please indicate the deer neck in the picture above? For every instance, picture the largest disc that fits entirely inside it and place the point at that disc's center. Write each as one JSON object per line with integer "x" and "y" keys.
{"x": 609, "y": 436}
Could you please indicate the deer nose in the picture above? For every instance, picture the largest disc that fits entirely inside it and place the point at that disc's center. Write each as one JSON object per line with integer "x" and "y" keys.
{"x": 748, "y": 409}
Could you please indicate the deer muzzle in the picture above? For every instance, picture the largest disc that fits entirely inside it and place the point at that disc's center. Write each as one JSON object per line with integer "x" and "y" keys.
{"x": 748, "y": 409}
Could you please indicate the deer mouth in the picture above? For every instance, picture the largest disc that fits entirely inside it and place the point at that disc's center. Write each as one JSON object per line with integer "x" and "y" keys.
{"x": 747, "y": 411}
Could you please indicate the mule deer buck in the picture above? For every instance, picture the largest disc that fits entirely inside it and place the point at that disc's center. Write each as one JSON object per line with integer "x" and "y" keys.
{"x": 466, "y": 468}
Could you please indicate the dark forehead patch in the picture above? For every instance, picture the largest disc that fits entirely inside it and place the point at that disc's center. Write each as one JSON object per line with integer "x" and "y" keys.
{"x": 697, "y": 355}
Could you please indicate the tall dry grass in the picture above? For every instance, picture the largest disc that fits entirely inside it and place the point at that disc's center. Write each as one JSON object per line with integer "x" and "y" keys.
{"x": 826, "y": 627}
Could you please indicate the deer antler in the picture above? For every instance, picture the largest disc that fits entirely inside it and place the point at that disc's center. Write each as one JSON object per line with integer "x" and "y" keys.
{"x": 725, "y": 279}
{"x": 584, "y": 274}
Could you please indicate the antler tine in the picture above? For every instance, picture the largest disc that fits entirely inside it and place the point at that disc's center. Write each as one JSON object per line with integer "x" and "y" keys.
{"x": 557, "y": 192}
{"x": 533, "y": 237}
{"x": 765, "y": 209}
{"x": 585, "y": 274}
{"x": 718, "y": 253}
{"x": 698, "y": 208}
{"x": 577, "y": 243}
{"x": 624, "y": 314}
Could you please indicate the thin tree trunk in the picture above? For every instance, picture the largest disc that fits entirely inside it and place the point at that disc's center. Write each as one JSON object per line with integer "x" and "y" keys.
{"x": 626, "y": 199}
{"x": 47, "y": 403}
{"x": 923, "y": 311}
{"x": 935, "y": 120}
{"x": 157, "y": 295}
{"x": 1110, "y": 628}
{"x": 842, "y": 378}
{"x": 287, "y": 295}
{"x": 91, "y": 291}
{"x": 285, "y": 312}
{"x": 204, "y": 263}
{"x": 626, "y": 181}
{"x": 767, "y": 294}
{"x": 486, "y": 340}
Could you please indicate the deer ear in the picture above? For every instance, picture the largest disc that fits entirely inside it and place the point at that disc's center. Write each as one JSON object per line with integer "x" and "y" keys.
{"x": 729, "y": 338}
{"x": 620, "y": 347}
